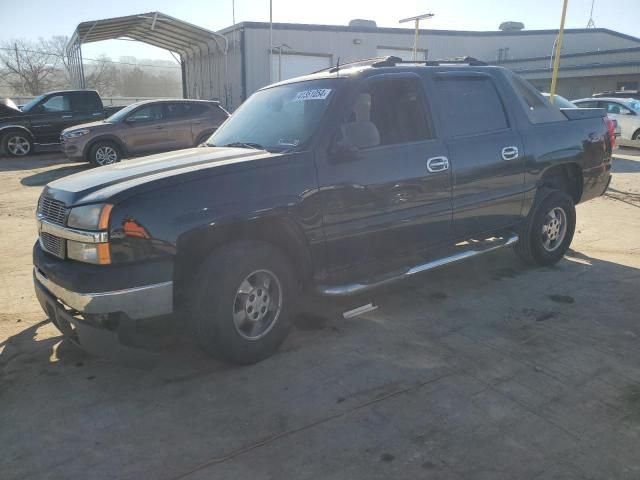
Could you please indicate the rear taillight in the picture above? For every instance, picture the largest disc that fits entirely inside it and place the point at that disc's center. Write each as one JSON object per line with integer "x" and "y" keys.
{"x": 611, "y": 129}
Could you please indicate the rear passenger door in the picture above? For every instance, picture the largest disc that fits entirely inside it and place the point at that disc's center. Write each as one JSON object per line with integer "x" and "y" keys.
{"x": 391, "y": 197}
{"x": 86, "y": 107}
{"x": 179, "y": 117}
{"x": 486, "y": 152}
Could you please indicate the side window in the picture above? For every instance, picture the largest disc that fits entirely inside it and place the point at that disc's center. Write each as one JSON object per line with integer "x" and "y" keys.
{"x": 616, "y": 108}
{"x": 57, "y": 103}
{"x": 86, "y": 102}
{"x": 536, "y": 107}
{"x": 194, "y": 109}
{"x": 173, "y": 111}
{"x": 148, "y": 113}
{"x": 470, "y": 105}
{"x": 387, "y": 112}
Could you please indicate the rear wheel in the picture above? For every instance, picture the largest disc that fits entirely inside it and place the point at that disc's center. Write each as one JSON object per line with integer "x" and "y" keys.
{"x": 244, "y": 302}
{"x": 636, "y": 135}
{"x": 17, "y": 144}
{"x": 549, "y": 229}
{"x": 104, "y": 153}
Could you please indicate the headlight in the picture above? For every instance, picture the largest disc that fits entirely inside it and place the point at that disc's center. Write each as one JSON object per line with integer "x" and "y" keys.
{"x": 76, "y": 133}
{"x": 97, "y": 253}
{"x": 90, "y": 217}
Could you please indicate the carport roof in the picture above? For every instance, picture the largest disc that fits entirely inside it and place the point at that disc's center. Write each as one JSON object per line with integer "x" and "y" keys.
{"x": 153, "y": 28}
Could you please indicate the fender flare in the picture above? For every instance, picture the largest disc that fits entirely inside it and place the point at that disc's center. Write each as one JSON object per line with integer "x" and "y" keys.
{"x": 17, "y": 127}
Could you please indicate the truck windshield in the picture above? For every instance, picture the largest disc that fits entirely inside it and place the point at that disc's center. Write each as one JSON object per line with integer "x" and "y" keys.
{"x": 278, "y": 118}
{"x": 29, "y": 105}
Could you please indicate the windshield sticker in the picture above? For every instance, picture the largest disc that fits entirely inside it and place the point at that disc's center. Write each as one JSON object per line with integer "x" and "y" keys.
{"x": 288, "y": 142}
{"x": 317, "y": 94}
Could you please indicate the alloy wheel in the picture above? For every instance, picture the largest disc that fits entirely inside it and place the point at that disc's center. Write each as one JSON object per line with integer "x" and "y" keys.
{"x": 18, "y": 145}
{"x": 106, "y": 155}
{"x": 554, "y": 229}
{"x": 257, "y": 304}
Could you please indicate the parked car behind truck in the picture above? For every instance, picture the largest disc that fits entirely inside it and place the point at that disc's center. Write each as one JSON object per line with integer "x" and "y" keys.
{"x": 40, "y": 122}
{"x": 337, "y": 183}
{"x": 143, "y": 127}
{"x": 626, "y": 111}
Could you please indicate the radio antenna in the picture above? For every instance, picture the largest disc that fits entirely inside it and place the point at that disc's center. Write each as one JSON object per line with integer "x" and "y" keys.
{"x": 591, "y": 23}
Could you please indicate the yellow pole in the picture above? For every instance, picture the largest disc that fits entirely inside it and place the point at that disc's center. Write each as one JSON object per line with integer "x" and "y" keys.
{"x": 556, "y": 60}
{"x": 415, "y": 40}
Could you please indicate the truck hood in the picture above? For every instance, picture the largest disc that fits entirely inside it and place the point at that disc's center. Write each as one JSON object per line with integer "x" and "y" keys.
{"x": 8, "y": 108}
{"x": 105, "y": 183}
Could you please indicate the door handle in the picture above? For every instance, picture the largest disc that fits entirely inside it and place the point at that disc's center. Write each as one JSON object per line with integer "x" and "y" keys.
{"x": 160, "y": 127}
{"x": 510, "y": 153}
{"x": 197, "y": 122}
{"x": 66, "y": 117}
{"x": 437, "y": 164}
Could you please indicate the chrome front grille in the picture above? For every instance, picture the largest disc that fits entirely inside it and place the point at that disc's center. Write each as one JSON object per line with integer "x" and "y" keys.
{"x": 52, "y": 211}
{"x": 52, "y": 244}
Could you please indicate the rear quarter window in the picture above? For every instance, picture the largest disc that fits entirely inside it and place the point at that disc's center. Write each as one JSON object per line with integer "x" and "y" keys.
{"x": 538, "y": 109}
{"x": 86, "y": 102}
{"x": 470, "y": 105}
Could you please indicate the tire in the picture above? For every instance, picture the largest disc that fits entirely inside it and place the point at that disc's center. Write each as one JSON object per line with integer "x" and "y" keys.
{"x": 229, "y": 292}
{"x": 548, "y": 230}
{"x": 104, "y": 153}
{"x": 636, "y": 135}
{"x": 17, "y": 144}
{"x": 202, "y": 138}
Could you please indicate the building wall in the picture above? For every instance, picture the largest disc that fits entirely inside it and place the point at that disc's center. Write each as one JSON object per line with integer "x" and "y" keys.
{"x": 481, "y": 45}
{"x": 211, "y": 75}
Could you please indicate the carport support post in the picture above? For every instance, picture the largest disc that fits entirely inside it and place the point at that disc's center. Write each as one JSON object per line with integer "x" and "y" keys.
{"x": 556, "y": 60}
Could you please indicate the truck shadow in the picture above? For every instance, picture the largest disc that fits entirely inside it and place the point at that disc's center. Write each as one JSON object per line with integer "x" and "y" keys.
{"x": 42, "y": 178}
{"x": 437, "y": 293}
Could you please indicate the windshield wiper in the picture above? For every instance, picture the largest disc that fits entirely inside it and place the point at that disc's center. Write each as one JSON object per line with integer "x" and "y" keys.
{"x": 255, "y": 146}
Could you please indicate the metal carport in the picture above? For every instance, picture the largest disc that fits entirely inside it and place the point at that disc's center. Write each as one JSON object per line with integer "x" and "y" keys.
{"x": 202, "y": 53}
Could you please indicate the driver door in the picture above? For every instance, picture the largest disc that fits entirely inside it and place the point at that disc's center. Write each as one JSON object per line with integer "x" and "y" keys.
{"x": 390, "y": 198}
{"x": 146, "y": 130}
{"x": 53, "y": 115}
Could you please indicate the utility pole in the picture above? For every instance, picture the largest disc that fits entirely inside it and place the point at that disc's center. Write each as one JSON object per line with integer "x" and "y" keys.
{"x": 417, "y": 30}
{"x": 270, "y": 40}
{"x": 280, "y": 47}
{"x": 556, "y": 60}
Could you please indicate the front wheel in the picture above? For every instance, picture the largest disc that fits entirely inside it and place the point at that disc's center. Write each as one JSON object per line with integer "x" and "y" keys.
{"x": 17, "y": 144}
{"x": 243, "y": 302}
{"x": 549, "y": 230}
{"x": 104, "y": 153}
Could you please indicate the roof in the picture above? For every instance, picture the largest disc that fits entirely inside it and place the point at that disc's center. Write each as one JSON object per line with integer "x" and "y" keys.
{"x": 411, "y": 31}
{"x": 153, "y": 28}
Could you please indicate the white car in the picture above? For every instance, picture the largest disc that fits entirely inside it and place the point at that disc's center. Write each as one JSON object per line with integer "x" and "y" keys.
{"x": 626, "y": 111}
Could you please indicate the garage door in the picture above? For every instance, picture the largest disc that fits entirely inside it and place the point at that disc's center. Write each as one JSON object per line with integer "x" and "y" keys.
{"x": 297, "y": 65}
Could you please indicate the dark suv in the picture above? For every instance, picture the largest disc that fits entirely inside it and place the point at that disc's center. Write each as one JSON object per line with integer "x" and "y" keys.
{"x": 338, "y": 182}
{"x": 143, "y": 127}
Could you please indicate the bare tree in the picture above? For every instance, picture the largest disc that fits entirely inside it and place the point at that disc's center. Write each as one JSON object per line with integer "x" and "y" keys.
{"x": 30, "y": 65}
{"x": 57, "y": 45}
{"x": 102, "y": 75}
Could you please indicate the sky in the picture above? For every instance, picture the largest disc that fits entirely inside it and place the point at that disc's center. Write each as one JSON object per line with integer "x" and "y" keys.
{"x": 44, "y": 18}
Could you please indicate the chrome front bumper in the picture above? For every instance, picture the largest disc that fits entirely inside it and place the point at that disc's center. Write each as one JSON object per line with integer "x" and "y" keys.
{"x": 136, "y": 303}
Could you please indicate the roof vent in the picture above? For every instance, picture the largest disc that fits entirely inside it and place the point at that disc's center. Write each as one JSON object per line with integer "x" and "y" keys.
{"x": 359, "y": 22}
{"x": 511, "y": 26}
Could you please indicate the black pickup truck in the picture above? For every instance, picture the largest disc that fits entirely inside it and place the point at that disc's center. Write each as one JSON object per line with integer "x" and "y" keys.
{"x": 336, "y": 182}
{"x": 40, "y": 122}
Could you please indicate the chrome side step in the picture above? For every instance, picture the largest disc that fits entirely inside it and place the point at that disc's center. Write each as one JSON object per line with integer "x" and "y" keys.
{"x": 353, "y": 288}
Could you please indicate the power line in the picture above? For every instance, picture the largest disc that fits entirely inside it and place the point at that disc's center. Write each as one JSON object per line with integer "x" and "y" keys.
{"x": 92, "y": 59}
